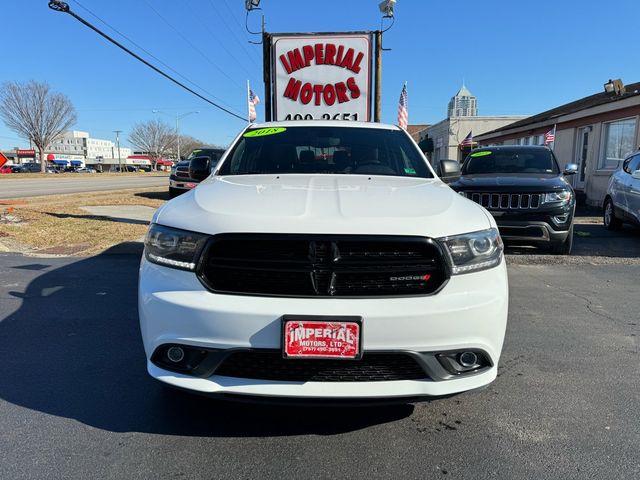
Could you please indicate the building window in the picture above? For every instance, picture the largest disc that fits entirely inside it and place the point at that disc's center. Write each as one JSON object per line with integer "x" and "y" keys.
{"x": 619, "y": 139}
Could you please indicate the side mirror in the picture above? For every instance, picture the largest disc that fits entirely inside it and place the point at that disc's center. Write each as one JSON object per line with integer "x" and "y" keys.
{"x": 449, "y": 170}
{"x": 636, "y": 174}
{"x": 571, "y": 169}
{"x": 199, "y": 168}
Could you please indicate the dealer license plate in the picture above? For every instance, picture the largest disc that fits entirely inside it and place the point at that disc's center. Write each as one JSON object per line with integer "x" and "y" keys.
{"x": 322, "y": 337}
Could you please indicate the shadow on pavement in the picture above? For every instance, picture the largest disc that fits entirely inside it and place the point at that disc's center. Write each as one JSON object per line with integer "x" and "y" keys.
{"x": 73, "y": 349}
{"x": 161, "y": 195}
{"x": 99, "y": 217}
{"x": 591, "y": 239}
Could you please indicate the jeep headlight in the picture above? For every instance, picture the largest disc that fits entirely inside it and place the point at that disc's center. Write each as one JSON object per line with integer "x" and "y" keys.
{"x": 561, "y": 196}
{"x": 172, "y": 247}
{"x": 473, "y": 252}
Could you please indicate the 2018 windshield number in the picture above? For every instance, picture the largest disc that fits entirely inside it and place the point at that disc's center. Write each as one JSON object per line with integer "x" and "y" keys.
{"x": 325, "y": 116}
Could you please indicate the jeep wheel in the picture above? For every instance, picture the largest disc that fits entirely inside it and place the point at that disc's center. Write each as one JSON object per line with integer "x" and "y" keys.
{"x": 563, "y": 248}
{"x": 609, "y": 216}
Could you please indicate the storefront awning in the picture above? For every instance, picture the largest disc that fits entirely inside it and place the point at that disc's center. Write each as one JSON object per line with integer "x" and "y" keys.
{"x": 164, "y": 162}
{"x": 76, "y": 162}
{"x": 60, "y": 162}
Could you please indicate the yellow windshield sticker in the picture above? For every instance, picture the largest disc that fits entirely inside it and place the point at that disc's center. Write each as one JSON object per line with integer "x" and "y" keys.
{"x": 262, "y": 132}
{"x": 481, "y": 154}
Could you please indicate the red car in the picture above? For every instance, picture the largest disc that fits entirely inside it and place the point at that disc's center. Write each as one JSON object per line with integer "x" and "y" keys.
{"x": 5, "y": 169}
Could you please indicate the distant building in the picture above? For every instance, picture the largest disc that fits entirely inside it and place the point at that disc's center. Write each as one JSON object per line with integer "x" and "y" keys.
{"x": 447, "y": 135}
{"x": 78, "y": 145}
{"x": 463, "y": 104}
{"x": 414, "y": 131}
{"x": 596, "y": 132}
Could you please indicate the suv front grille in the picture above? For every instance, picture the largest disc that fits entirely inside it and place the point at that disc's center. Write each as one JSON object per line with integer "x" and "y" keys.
{"x": 506, "y": 201}
{"x": 322, "y": 265}
{"x": 373, "y": 367}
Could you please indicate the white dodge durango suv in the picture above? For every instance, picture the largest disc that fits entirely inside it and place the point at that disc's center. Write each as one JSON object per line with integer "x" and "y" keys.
{"x": 323, "y": 261}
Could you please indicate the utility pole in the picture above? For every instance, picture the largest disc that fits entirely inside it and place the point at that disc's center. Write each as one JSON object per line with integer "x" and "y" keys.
{"x": 117, "y": 132}
{"x": 178, "y": 118}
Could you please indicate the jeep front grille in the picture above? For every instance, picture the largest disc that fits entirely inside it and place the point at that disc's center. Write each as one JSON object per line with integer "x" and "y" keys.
{"x": 506, "y": 201}
{"x": 322, "y": 265}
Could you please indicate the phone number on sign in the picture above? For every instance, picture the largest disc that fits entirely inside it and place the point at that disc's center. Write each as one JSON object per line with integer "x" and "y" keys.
{"x": 324, "y": 116}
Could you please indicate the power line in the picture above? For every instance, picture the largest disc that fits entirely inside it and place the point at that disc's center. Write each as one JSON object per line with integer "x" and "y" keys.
{"x": 192, "y": 45}
{"x": 242, "y": 44}
{"x": 60, "y": 6}
{"x": 151, "y": 54}
{"x": 221, "y": 44}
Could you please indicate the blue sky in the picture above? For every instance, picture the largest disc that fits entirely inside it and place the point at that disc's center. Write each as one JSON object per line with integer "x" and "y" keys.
{"x": 516, "y": 57}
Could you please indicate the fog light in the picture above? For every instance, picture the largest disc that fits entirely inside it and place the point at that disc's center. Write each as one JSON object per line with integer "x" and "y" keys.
{"x": 175, "y": 354}
{"x": 468, "y": 359}
{"x": 560, "y": 219}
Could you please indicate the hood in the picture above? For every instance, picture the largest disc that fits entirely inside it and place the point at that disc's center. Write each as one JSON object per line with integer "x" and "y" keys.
{"x": 339, "y": 204}
{"x": 537, "y": 182}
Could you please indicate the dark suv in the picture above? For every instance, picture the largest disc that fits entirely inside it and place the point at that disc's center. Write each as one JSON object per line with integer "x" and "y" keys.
{"x": 525, "y": 190}
{"x": 180, "y": 181}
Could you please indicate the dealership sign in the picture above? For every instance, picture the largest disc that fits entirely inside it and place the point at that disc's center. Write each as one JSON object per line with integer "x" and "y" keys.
{"x": 25, "y": 153}
{"x": 321, "y": 76}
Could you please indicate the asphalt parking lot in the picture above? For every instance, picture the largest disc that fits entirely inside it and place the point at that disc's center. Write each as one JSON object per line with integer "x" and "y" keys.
{"x": 76, "y": 402}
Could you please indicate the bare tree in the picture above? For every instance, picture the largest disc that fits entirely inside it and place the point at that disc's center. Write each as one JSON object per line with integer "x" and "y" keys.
{"x": 187, "y": 144}
{"x": 153, "y": 137}
{"x": 36, "y": 113}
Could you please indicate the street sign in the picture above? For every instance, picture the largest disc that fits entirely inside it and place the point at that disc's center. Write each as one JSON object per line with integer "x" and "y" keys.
{"x": 322, "y": 76}
{"x": 3, "y": 159}
{"x": 25, "y": 153}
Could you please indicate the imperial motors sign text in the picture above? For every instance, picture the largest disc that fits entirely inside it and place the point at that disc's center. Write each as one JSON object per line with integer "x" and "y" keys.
{"x": 322, "y": 76}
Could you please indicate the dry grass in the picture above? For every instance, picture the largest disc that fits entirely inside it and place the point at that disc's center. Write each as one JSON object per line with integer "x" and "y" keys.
{"x": 56, "y": 224}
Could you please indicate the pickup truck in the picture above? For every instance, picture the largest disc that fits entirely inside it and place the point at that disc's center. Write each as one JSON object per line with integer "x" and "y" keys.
{"x": 179, "y": 180}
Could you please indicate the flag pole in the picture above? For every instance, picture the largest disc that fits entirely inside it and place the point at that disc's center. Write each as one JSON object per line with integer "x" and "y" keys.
{"x": 248, "y": 112}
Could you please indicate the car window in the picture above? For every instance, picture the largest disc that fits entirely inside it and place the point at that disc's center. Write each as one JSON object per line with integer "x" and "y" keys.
{"x": 332, "y": 150}
{"x": 506, "y": 160}
{"x": 632, "y": 164}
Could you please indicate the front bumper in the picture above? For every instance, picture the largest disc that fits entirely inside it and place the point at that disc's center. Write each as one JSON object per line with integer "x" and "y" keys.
{"x": 182, "y": 184}
{"x": 540, "y": 227}
{"x": 469, "y": 313}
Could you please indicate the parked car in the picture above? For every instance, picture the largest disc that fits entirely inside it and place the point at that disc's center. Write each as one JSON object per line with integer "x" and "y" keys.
{"x": 5, "y": 169}
{"x": 526, "y": 192}
{"x": 322, "y": 260}
{"x": 85, "y": 170}
{"x": 180, "y": 181}
{"x": 16, "y": 168}
{"x": 622, "y": 201}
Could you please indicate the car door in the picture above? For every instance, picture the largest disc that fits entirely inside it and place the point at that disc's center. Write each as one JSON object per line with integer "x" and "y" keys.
{"x": 632, "y": 188}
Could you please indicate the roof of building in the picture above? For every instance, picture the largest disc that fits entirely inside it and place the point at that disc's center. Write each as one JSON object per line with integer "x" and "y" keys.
{"x": 591, "y": 101}
{"x": 463, "y": 92}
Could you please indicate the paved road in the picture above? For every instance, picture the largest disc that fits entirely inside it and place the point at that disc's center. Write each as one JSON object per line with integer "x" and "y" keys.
{"x": 75, "y": 400}
{"x": 75, "y": 183}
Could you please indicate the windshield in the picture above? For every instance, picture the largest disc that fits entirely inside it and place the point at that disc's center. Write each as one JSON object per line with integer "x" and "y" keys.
{"x": 214, "y": 153}
{"x": 333, "y": 150}
{"x": 510, "y": 160}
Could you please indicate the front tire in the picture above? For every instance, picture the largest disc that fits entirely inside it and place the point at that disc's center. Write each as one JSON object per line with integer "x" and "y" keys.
{"x": 609, "y": 216}
{"x": 563, "y": 248}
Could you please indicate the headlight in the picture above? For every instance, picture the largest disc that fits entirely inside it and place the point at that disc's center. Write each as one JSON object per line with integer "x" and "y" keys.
{"x": 475, "y": 251}
{"x": 172, "y": 247}
{"x": 561, "y": 196}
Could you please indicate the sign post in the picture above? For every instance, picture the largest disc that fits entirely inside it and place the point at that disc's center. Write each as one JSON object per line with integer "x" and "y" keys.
{"x": 319, "y": 76}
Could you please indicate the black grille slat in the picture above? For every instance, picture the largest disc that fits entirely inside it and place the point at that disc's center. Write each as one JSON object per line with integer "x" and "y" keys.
{"x": 271, "y": 366}
{"x": 506, "y": 201}
{"x": 321, "y": 265}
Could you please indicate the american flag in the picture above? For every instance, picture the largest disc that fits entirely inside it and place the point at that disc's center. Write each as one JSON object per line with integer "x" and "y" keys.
{"x": 403, "y": 108}
{"x": 468, "y": 140}
{"x": 550, "y": 136}
{"x": 253, "y": 101}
